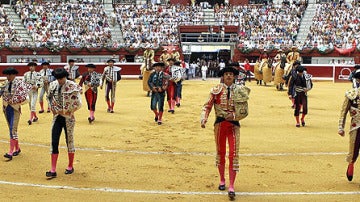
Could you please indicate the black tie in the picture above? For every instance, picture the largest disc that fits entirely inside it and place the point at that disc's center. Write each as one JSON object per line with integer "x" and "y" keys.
{"x": 59, "y": 92}
{"x": 45, "y": 73}
{"x": 228, "y": 93}
{"x": 10, "y": 84}
{"x": 31, "y": 76}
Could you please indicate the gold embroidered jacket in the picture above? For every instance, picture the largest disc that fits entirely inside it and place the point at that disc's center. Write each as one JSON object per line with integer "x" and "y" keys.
{"x": 236, "y": 104}
{"x": 350, "y": 104}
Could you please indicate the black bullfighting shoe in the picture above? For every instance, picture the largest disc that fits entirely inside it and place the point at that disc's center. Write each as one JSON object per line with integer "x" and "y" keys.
{"x": 231, "y": 195}
{"x": 68, "y": 172}
{"x": 221, "y": 187}
{"x": 50, "y": 174}
{"x": 8, "y": 156}
{"x": 16, "y": 153}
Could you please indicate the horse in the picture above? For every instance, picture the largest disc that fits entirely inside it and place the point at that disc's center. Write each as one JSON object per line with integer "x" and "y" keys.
{"x": 258, "y": 73}
{"x": 287, "y": 71}
{"x": 279, "y": 80}
{"x": 265, "y": 68}
{"x": 146, "y": 70}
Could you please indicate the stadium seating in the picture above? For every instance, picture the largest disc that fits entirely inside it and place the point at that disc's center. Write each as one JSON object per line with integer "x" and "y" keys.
{"x": 334, "y": 25}
{"x": 8, "y": 33}
{"x": 155, "y": 25}
{"x": 59, "y": 23}
{"x": 56, "y": 23}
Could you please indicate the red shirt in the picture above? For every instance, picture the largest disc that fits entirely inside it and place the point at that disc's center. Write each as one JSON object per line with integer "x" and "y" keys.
{"x": 247, "y": 67}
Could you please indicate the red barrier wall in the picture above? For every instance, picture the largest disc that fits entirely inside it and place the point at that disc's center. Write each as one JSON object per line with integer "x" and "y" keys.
{"x": 335, "y": 73}
{"x": 64, "y": 52}
{"x": 320, "y": 72}
{"x": 126, "y": 68}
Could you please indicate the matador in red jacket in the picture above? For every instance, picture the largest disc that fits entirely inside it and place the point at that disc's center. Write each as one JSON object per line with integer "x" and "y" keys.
{"x": 230, "y": 104}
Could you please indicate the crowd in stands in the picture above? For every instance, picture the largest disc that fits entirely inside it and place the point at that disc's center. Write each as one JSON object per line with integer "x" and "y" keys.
{"x": 264, "y": 26}
{"x": 85, "y": 24}
{"x": 154, "y": 25}
{"x": 63, "y": 23}
{"x": 334, "y": 25}
{"x": 8, "y": 34}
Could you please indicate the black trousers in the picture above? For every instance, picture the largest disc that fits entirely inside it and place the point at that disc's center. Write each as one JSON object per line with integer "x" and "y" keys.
{"x": 58, "y": 125}
{"x": 300, "y": 100}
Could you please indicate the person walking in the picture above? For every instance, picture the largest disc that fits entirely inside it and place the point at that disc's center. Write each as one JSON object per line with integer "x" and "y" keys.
{"x": 230, "y": 104}
{"x": 65, "y": 99}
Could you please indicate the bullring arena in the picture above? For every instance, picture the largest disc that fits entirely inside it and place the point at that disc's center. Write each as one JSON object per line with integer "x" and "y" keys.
{"x": 126, "y": 156}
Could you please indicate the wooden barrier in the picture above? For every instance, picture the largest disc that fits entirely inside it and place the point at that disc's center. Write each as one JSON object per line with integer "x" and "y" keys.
{"x": 128, "y": 70}
{"x": 335, "y": 73}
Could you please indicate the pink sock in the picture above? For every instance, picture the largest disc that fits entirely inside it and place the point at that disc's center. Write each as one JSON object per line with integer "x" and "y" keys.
{"x": 156, "y": 112}
{"x": 12, "y": 146}
{"x": 160, "y": 116}
{"x": 221, "y": 169}
{"x": 232, "y": 176}
{"x": 71, "y": 160}
{"x": 169, "y": 103}
{"x": 54, "y": 158}
{"x": 172, "y": 104}
{"x": 302, "y": 117}
{"x": 42, "y": 105}
{"x": 91, "y": 114}
{"x": 17, "y": 148}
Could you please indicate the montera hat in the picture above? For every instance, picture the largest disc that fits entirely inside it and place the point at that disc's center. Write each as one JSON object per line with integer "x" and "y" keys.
{"x": 357, "y": 74}
{"x": 60, "y": 73}
{"x": 71, "y": 60}
{"x": 45, "y": 63}
{"x": 177, "y": 63}
{"x": 300, "y": 69}
{"x": 90, "y": 66}
{"x": 32, "y": 64}
{"x": 357, "y": 67}
{"x": 111, "y": 60}
{"x": 161, "y": 64}
{"x": 171, "y": 59}
{"x": 297, "y": 62}
{"x": 228, "y": 69}
{"x": 9, "y": 71}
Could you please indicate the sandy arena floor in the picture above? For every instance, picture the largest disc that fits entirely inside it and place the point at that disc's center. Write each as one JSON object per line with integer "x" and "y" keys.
{"x": 126, "y": 156}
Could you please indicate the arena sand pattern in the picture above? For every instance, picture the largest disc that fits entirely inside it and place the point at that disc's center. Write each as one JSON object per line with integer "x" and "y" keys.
{"x": 128, "y": 151}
